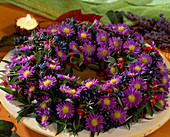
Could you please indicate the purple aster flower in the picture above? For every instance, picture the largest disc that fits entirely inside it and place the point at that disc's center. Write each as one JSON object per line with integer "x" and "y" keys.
{"x": 165, "y": 81}
{"x": 65, "y": 110}
{"x": 53, "y": 29}
{"x": 73, "y": 93}
{"x": 94, "y": 122}
{"x": 88, "y": 60}
{"x": 25, "y": 71}
{"x": 7, "y": 72}
{"x": 31, "y": 38}
{"x": 55, "y": 64}
{"x": 132, "y": 46}
{"x": 44, "y": 118}
{"x": 41, "y": 105}
{"x": 132, "y": 97}
{"x": 66, "y": 29}
{"x": 107, "y": 102}
{"x": 96, "y": 26}
{"x": 111, "y": 27}
{"x": 66, "y": 77}
{"x": 31, "y": 88}
{"x": 111, "y": 70}
{"x": 17, "y": 59}
{"x": 87, "y": 84}
{"x": 114, "y": 80}
{"x": 60, "y": 54}
{"x": 47, "y": 82}
{"x": 103, "y": 87}
{"x": 137, "y": 83}
{"x": 64, "y": 88}
{"x": 88, "y": 48}
{"x": 144, "y": 58}
{"x": 162, "y": 101}
{"x": 47, "y": 46}
{"x": 119, "y": 114}
{"x": 102, "y": 38}
{"x": 83, "y": 36}
{"x": 135, "y": 67}
{"x": 162, "y": 67}
{"x": 121, "y": 29}
{"x": 115, "y": 43}
{"x": 139, "y": 38}
{"x": 27, "y": 47}
{"x": 40, "y": 31}
{"x": 9, "y": 96}
{"x": 103, "y": 52}
{"x": 74, "y": 47}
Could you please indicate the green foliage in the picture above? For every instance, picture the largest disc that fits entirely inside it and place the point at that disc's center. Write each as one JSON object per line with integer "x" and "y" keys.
{"x": 94, "y": 67}
{"x": 115, "y": 16}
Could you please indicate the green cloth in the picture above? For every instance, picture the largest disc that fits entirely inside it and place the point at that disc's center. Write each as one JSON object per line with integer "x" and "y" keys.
{"x": 54, "y": 8}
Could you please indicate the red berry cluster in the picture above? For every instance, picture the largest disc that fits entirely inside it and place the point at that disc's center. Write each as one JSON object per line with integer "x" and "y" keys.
{"x": 79, "y": 110}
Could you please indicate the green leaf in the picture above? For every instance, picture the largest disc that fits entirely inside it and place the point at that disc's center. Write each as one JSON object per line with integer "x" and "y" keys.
{"x": 8, "y": 91}
{"x": 44, "y": 102}
{"x": 76, "y": 123}
{"x": 14, "y": 135}
{"x": 128, "y": 126}
{"x": 149, "y": 109}
{"x": 111, "y": 59}
{"x": 158, "y": 90}
{"x": 5, "y": 61}
{"x": 60, "y": 128}
{"x": 5, "y": 128}
{"x": 158, "y": 105}
{"x": 115, "y": 16}
{"x": 91, "y": 134}
{"x": 2, "y": 70}
{"x": 69, "y": 100}
{"x": 69, "y": 70}
{"x": 38, "y": 56}
{"x": 110, "y": 65}
{"x": 138, "y": 2}
{"x": 94, "y": 67}
{"x": 102, "y": 65}
{"x": 76, "y": 60}
{"x": 14, "y": 82}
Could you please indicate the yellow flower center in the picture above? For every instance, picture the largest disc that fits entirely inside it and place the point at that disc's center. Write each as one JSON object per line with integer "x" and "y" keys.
{"x": 59, "y": 54}
{"x": 117, "y": 115}
{"x": 104, "y": 52}
{"x": 83, "y": 35}
{"x": 121, "y": 28}
{"x": 131, "y": 74}
{"x": 103, "y": 38}
{"x": 66, "y": 30}
{"x": 106, "y": 101}
{"x": 161, "y": 89}
{"x": 162, "y": 68}
{"x": 64, "y": 89}
{"x": 144, "y": 60}
{"x": 26, "y": 73}
{"x": 161, "y": 102}
{"x": 137, "y": 86}
{"x": 113, "y": 81}
{"x": 52, "y": 61}
{"x": 8, "y": 71}
{"x": 88, "y": 84}
{"x": 154, "y": 78}
{"x": 102, "y": 88}
{"x": 47, "y": 82}
{"x": 74, "y": 47}
{"x": 52, "y": 66}
{"x": 137, "y": 68}
{"x": 89, "y": 59}
{"x": 72, "y": 91}
{"x": 18, "y": 58}
{"x": 94, "y": 122}
{"x": 89, "y": 48}
{"x": 44, "y": 117}
{"x": 164, "y": 80}
{"x": 112, "y": 70}
{"x": 131, "y": 47}
{"x": 32, "y": 88}
{"x": 113, "y": 27}
{"x": 131, "y": 98}
{"x": 115, "y": 43}
{"x": 43, "y": 105}
{"x": 65, "y": 109}
{"x": 13, "y": 89}
{"x": 54, "y": 30}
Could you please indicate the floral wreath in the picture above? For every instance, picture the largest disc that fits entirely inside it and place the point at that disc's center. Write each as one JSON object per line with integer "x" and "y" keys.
{"x": 41, "y": 77}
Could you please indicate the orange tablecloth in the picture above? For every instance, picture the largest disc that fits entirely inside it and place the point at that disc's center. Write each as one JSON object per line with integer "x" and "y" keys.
{"x": 8, "y": 14}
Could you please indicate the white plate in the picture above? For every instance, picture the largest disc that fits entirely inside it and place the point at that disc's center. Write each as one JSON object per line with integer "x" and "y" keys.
{"x": 140, "y": 129}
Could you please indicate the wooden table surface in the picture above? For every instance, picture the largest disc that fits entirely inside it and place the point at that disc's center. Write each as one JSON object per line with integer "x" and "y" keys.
{"x": 8, "y": 14}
